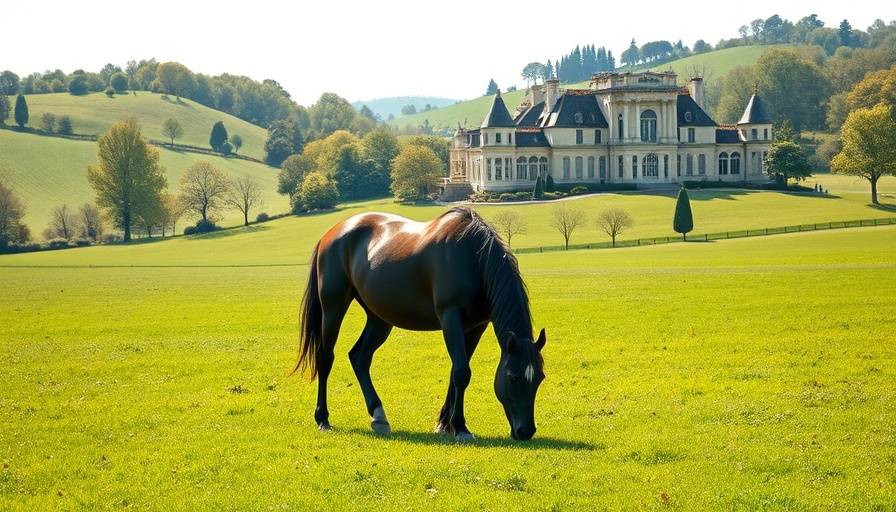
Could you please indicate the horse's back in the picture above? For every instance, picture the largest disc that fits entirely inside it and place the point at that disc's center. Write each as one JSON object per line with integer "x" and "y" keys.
{"x": 403, "y": 271}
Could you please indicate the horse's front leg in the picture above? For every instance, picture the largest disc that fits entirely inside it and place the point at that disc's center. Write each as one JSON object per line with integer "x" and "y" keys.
{"x": 471, "y": 341}
{"x": 452, "y": 328}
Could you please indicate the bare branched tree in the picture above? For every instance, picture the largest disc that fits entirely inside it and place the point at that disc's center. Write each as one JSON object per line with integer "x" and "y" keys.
{"x": 62, "y": 223}
{"x": 509, "y": 223}
{"x": 566, "y": 219}
{"x": 614, "y": 221}
{"x": 244, "y": 195}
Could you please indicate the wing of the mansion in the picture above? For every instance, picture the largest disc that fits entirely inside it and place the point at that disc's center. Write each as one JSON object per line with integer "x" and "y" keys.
{"x": 635, "y": 128}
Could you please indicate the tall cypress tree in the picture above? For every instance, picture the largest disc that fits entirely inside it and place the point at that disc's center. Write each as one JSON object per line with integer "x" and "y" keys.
{"x": 683, "y": 222}
{"x": 218, "y": 136}
{"x": 21, "y": 113}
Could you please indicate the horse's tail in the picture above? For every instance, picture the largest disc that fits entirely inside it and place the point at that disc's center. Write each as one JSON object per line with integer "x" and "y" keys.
{"x": 311, "y": 317}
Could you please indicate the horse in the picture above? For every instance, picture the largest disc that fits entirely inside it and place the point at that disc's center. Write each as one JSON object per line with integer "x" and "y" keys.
{"x": 453, "y": 274}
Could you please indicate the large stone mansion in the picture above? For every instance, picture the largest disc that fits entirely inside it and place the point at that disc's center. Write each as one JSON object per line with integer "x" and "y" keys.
{"x": 635, "y": 128}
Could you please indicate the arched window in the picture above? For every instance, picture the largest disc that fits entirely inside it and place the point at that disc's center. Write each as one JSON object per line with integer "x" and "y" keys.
{"x": 499, "y": 171}
{"x": 651, "y": 166}
{"x": 591, "y": 167}
{"x": 648, "y": 126}
{"x": 723, "y": 163}
{"x": 580, "y": 164}
{"x": 521, "y": 168}
{"x": 543, "y": 166}
{"x": 533, "y": 168}
{"x": 566, "y": 167}
{"x": 735, "y": 163}
{"x": 689, "y": 170}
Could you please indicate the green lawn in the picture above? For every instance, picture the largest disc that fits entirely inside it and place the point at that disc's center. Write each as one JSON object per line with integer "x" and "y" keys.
{"x": 93, "y": 114}
{"x": 749, "y": 374}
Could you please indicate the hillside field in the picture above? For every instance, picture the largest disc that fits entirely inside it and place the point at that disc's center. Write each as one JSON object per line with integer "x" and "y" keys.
{"x": 47, "y": 172}
{"x": 748, "y": 374}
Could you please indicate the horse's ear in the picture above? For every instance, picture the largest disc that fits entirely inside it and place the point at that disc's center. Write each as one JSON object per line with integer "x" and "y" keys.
{"x": 512, "y": 347}
{"x": 539, "y": 343}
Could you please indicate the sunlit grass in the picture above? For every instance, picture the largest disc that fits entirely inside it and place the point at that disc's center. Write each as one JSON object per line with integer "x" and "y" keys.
{"x": 751, "y": 374}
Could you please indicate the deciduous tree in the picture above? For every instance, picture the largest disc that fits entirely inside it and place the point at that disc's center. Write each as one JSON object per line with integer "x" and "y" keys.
{"x": 172, "y": 129}
{"x": 245, "y": 194}
{"x": 318, "y": 192}
{"x": 614, "y": 221}
{"x": 509, "y": 223}
{"x": 203, "y": 189}
{"x": 90, "y": 222}
{"x": 787, "y": 159}
{"x": 566, "y": 218}
{"x": 415, "y": 173}
{"x": 63, "y": 223}
{"x": 128, "y": 181}
{"x": 12, "y": 211}
{"x": 869, "y": 146}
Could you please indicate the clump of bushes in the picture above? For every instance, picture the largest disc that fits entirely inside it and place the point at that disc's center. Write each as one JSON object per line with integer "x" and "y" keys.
{"x": 202, "y": 226}
{"x": 262, "y": 217}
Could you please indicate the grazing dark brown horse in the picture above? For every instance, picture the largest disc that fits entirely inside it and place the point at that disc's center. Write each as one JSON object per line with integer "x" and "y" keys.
{"x": 452, "y": 274}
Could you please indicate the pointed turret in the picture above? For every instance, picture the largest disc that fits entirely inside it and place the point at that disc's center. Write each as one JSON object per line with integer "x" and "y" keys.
{"x": 755, "y": 124}
{"x": 498, "y": 116}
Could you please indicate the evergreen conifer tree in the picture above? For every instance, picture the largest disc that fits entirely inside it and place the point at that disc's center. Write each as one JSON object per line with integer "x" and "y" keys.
{"x": 218, "y": 136}
{"x": 683, "y": 222}
{"x": 21, "y": 113}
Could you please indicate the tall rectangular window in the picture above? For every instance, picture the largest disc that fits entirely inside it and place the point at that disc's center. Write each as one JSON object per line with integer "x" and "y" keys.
{"x": 621, "y": 166}
{"x": 692, "y": 135}
{"x": 596, "y": 137}
{"x": 603, "y": 168}
{"x": 634, "y": 167}
{"x": 566, "y": 165}
{"x": 488, "y": 168}
{"x": 580, "y": 136}
{"x": 579, "y": 167}
{"x": 591, "y": 167}
{"x": 499, "y": 169}
{"x": 701, "y": 164}
{"x": 498, "y": 138}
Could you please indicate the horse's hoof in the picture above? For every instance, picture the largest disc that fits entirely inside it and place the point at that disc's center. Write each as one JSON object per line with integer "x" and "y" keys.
{"x": 463, "y": 437}
{"x": 379, "y": 423}
{"x": 381, "y": 427}
{"x": 325, "y": 426}
{"x": 442, "y": 429}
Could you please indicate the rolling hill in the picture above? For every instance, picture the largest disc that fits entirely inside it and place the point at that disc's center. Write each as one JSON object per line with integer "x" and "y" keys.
{"x": 47, "y": 172}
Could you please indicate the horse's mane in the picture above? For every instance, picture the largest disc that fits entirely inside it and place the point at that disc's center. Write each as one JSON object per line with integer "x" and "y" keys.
{"x": 504, "y": 285}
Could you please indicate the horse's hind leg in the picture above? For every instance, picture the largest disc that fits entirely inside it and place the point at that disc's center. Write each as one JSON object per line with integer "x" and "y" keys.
{"x": 335, "y": 301}
{"x": 361, "y": 355}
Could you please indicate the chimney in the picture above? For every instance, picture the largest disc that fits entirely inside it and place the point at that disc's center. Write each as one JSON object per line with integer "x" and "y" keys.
{"x": 552, "y": 93}
{"x": 695, "y": 87}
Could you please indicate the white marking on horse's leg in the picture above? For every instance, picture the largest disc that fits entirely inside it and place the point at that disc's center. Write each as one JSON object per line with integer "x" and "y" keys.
{"x": 464, "y": 436}
{"x": 379, "y": 423}
{"x": 530, "y": 373}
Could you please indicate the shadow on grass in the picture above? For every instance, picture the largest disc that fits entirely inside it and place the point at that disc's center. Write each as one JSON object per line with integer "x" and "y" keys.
{"x": 884, "y": 207}
{"x": 224, "y": 233}
{"x": 434, "y": 439}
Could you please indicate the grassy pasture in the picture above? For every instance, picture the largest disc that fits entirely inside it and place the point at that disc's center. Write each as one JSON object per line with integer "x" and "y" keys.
{"x": 750, "y": 374}
{"x": 94, "y": 114}
{"x": 47, "y": 172}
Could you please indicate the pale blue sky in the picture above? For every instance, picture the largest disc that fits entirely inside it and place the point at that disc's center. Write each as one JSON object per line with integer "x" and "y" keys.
{"x": 363, "y": 50}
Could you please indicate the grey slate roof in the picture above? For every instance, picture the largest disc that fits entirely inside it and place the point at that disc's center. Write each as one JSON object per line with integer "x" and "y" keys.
{"x": 498, "y": 116}
{"x": 531, "y": 140}
{"x": 575, "y": 111}
{"x": 529, "y": 117}
{"x": 756, "y": 113}
{"x": 698, "y": 117}
{"x": 727, "y": 136}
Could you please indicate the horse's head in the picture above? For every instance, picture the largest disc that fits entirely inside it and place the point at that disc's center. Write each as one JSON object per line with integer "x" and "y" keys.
{"x": 520, "y": 371}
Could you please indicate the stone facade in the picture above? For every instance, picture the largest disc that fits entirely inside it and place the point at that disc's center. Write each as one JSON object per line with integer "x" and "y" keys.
{"x": 632, "y": 128}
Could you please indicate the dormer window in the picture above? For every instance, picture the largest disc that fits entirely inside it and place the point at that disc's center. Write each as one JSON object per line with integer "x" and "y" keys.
{"x": 688, "y": 117}
{"x": 579, "y": 117}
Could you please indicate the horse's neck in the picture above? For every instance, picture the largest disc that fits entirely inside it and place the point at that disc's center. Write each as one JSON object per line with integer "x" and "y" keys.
{"x": 510, "y": 314}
